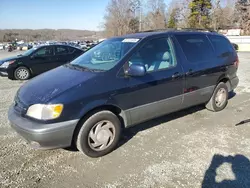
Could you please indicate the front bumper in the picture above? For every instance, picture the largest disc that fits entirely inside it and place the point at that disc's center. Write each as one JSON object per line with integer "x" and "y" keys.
{"x": 3, "y": 72}
{"x": 43, "y": 136}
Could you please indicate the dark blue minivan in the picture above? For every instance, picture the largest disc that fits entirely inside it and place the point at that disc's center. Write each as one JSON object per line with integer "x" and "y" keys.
{"x": 121, "y": 82}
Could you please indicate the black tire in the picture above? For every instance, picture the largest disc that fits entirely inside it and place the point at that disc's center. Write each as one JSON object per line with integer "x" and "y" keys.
{"x": 82, "y": 138}
{"x": 212, "y": 105}
{"x": 26, "y": 71}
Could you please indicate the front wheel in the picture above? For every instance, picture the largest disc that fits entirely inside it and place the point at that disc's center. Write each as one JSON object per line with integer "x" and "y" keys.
{"x": 22, "y": 73}
{"x": 219, "y": 98}
{"x": 99, "y": 134}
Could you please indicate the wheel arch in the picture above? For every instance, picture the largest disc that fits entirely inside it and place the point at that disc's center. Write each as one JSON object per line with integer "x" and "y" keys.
{"x": 225, "y": 79}
{"x": 22, "y": 65}
{"x": 123, "y": 117}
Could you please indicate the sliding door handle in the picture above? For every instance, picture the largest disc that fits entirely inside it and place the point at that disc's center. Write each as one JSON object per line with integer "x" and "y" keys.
{"x": 176, "y": 75}
{"x": 190, "y": 72}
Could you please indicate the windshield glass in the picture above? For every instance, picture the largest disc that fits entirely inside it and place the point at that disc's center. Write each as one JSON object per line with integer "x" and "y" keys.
{"x": 28, "y": 52}
{"x": 105, "y": 55}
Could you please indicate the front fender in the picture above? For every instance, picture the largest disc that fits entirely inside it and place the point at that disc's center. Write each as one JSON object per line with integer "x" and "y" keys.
{"x": 91, "y": 106}
{"x": 103, "y": 103}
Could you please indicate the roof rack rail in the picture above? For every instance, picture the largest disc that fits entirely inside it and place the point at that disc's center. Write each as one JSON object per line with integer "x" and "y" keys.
{"x": 158, "y": 30}
{"x": 179, "y": 29}
{"x": 197, "y": 29}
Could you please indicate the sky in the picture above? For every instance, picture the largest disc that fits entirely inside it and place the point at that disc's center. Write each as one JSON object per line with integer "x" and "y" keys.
{"x": 52, "y": 14}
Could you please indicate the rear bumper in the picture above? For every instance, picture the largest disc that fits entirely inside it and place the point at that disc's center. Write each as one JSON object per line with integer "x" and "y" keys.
{"x": 234, "y": 83}
{"x": 43, "y": 136}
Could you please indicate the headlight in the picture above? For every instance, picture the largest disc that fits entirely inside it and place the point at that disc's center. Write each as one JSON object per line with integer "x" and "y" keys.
{"x": 45, "y": 112}
{"x": 6, "y": 64}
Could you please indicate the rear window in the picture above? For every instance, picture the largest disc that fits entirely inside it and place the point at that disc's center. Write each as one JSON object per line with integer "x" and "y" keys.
{"x": 197, "y": 48}
{"x": 221, "y": 45}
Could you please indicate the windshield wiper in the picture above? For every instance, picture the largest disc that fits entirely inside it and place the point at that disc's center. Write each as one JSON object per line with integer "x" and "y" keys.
{"x": 97, "y": 70}
{"x": 74, "y": 67}
{"x": 82, "y": 68}
{"x": 79, "y": 67}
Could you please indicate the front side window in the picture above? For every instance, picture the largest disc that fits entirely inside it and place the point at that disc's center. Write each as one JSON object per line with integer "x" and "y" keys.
{"x": 221, "y": 45}
{"x": 105, "y": 55}
{"x": 196, "y": 48}
{"x": 156, "y": 54}
{"x": 44, "y": 51}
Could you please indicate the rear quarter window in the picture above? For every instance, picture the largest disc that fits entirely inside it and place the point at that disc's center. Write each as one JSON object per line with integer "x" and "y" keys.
{"x": 71, "y": 50}
{"x": 221, "y": 45}
{"x": 61, "y": 50}
{"x": 197, "y": 48}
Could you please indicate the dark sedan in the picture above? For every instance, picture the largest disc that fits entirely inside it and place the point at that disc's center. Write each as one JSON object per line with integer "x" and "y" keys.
{"x": 37, "y": 60}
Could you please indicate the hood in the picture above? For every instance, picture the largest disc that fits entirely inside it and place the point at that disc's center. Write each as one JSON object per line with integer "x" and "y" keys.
{"x": 43, "y": 88}
{"x": 10, "y": 59}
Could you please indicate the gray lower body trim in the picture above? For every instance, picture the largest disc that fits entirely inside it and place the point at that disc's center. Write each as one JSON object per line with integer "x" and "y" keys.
{"x": 198, "y": 97}
{"x": 47, "y": 136}
{"x": 156, "y": 109}
{"x": 153, "y": 110}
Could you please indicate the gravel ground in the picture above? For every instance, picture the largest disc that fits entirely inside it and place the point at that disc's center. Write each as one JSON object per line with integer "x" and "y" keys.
{"x": 191, "y": 148}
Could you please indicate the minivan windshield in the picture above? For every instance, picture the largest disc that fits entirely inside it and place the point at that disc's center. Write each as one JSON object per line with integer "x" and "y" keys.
{"x": 105, "y": 55}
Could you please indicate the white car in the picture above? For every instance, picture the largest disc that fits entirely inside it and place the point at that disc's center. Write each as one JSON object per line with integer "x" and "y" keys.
{"x": 1, "y": 46}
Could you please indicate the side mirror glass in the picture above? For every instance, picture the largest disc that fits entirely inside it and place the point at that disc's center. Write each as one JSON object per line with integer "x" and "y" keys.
{"x": 136, "y": 70}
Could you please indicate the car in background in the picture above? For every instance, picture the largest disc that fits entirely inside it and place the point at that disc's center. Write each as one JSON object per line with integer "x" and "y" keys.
{"x": 37, "y": 60}
{"x": 24, "y": 47}
{"x": 83, "y": 45}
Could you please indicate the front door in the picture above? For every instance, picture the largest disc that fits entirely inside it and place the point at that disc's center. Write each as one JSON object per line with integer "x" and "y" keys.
{"x": 42, "y": 60}
{"x": 158, "y": 92}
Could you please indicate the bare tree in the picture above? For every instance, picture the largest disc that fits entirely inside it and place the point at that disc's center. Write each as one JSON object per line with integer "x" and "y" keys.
{"x": 121, "y": 17}
{"x": 222, "y": 14}
{"x": 184, "y": 12}
{"x": 156, "y": 16}
{"x": 216, "y": 14}
{"x": 242, "y": 10}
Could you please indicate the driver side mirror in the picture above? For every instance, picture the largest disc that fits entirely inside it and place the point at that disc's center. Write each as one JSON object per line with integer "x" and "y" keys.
{"x": 33, "y": 56}
{"x": 136, "y": 70}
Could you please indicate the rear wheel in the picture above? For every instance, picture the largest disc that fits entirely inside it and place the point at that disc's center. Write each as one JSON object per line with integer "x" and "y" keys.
{"x": 219, "y": 98}
{"x": 99, "y": 134}
{"x": 22, "y": 73}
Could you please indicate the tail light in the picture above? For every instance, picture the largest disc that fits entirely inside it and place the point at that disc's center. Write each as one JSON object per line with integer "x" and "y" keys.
{"x": 236, "y": 63}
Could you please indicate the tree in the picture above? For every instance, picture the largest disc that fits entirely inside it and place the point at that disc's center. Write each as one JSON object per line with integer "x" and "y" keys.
{"x": 216, "y": 15}
{"x": 121, "y": 17}
{"x": 243, "y": 15}
{"x": 156, "y": 16}
{"x": 200, "y": 13}
{"x": 184, "y": 13}
{"x": 222, "y": 15}
{"x": 134, "y": 25}
{"x": 173, "y": 18}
